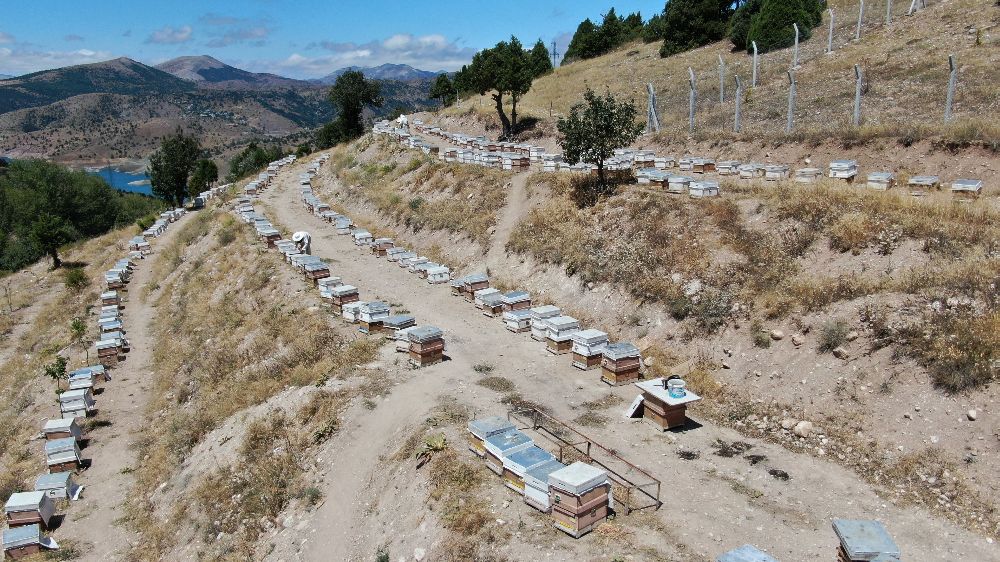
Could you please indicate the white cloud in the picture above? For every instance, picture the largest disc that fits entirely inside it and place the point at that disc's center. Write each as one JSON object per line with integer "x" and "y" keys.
{"x": 6, "y": 38}
{"x": 170, "y": 35}
{"x": 26, "y": 60}
{"x": 427, "y": 52}
{"x": 255, "y": 36}
{"x": 73, "y": 38}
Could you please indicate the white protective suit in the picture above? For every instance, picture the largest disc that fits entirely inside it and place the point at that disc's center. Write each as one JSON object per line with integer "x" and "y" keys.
{"x": 303, "y": 241}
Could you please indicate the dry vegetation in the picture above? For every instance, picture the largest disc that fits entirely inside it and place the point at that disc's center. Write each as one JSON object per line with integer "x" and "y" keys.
{"x": 423, "y": 193}
{"x": 904, "y": 99}
{"x": 220, "y": 352}
{"x": 40, "y": 300}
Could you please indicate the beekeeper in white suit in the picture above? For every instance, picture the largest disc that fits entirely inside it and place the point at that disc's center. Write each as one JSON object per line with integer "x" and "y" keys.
{"x": 303, "y": 241}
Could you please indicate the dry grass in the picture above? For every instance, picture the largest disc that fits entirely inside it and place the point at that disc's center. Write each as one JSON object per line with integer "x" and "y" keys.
{"x": 905, "y": 66}
{"x": 497, "y": 384}
{"x": 425, "y": 194}
{"x": 220, "y": 351}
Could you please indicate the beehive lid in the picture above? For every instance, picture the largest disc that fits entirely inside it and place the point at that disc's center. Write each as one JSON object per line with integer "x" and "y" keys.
{"x": 58, "y": 425}
{"x": 776, "y": 168}
{"x": 105, "y": 344}
{"x": 510, "y": 440}
{"x": 808, "y": 171}
{"x": 562, "y": 322}
{"x": 486, "y": 427}
{"x": 590, "y": 337}
{"x": 924, "y": 180}
{"x": 476, "y": 278}
{"x": 423, "y": 334}
{"x": 745, "y": 553}
{"x": 709, "y": 184}
{"x": 516, "y": 297}
{"x": 881, "y": 176}
{"x": 375, "y": 307}
{"x": 655, "y": 388}
{"x": 70, "y": 395}
{"x": 529, "y": 458}
{"x": 399, "y": 321}
{"x": 329, "y": 282}
{"x": 578, "y": 478}
{"x": 621, "y": 350}
{"x": 864, "y": 539}
{"x": 109, "y": 295}
{"x": 967, "y": 185}
{"x": 437, "y": 270}
{"x": 490, "y": 299}
{"x": 538, "y": 476}
{"x": 545, "y": 311}
{"x": 383, "y": 240}
{"x": 343, "y": 290}
{"x": 483, "y": 293}
{"x": 517, "y": 315}
{"x": 22, "y": 536}
{"x": 52, "y": 481}
{"x": 679, "y": 179}
{"x": 24, "y": 501}
{"x": 843, "y": 164}
{"x": 60, "y": 445}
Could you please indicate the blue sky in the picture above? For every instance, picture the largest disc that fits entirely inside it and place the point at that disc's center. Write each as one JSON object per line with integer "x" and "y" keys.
{"x": 302, "y": 39}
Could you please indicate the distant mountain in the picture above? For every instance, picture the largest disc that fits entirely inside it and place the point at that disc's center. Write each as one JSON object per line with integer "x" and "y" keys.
{"x": 208, "y": 72}
{"x": 400, "y": 72}
{"x": 5, "y": 76}
{"x": 119, "y": 76}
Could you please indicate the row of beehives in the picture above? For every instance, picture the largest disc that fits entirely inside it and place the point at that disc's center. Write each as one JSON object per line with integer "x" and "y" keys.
{"x": 651, "y": 169}
{"x": 265, "y": 178}
{"x": 30, "y": 513}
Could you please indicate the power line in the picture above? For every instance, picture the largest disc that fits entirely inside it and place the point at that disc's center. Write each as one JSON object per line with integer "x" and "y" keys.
{"x": 555, "y": 54}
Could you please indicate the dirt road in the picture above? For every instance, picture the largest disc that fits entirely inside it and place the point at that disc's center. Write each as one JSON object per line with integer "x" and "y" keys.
{"x": 712, "y": 503}
{"x": 91, "y": 521}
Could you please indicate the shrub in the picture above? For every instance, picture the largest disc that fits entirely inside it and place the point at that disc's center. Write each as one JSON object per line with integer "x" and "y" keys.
{"x": 689, "y": 24}
{"x": 75, "y": 278}
{"x": 833, "y": 335}
{"x": 497, "y": 384}
{"x": 759, "y": 335}
{"x": 772, "y": 28}
{"x": 959, "y": 349}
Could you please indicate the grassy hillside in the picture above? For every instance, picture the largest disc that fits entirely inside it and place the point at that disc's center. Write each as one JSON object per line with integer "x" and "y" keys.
{"x": 905, "y": 64}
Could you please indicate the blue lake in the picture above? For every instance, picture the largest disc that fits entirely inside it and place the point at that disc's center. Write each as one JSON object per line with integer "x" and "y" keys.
{"x": 124, "y": 181}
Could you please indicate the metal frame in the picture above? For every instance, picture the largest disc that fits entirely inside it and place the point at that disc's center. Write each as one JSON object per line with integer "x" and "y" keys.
{"x": 637, "y": 483}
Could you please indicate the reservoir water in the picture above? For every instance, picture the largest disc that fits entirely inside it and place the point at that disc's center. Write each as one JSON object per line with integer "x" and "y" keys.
{"x": 134, "y": 182}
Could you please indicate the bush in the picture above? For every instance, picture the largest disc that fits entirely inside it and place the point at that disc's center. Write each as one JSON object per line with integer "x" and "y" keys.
{"x": 75, "y": 278}
{"x": 689, "y": 24}
{"x": 833, "y": 335}
{"x": 959, "y": 349}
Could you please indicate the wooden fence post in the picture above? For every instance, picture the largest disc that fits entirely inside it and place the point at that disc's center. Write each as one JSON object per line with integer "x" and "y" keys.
{"x": 952, "y": 79}
{"x": 753, "y": 78}
{"x": 861, "y": 19}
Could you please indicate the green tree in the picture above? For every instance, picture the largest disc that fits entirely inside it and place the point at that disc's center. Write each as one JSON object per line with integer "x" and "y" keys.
{"x": 252, "y": 159}
{"x": 772, "y": 29}
{"x": 56, "y": 370}
{"x": 595, "y": 128}
{"x": 541, "y": 61}
{"x": 171, "y": 166}
{"x": 303, "y": 149}
{"x": 503, "y": 70}
{"x": 654, "y": 30}
{"x": 585, "y": 43}
{"x": 205, "y": 174}
{"x": 50, "y": 232}
{"x": 689, "y": 24}
{"x": 443, "y": 89}
{"x": 739, "y": 25}
{"x": 350, "y": 94}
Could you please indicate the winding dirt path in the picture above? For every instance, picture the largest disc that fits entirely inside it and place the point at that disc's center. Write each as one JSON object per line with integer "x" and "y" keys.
{"x": 517, "y": 206}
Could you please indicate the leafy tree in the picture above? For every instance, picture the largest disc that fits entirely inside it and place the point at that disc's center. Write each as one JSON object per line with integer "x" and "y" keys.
{"x": 595, "y": 128}
{"x": 585, "y": 43}
{"x": 739, "y": 25}
{"x": 205, "y": 174}
{"x": 328, "y": 135}
{"x": 56, "y": 370}
{"x": 654, "y": 30}
{"x": 443, "y": 89}
{"x": 689, "y": 24}
{"x": 171, "y": 166}
{"x": 541, "y": 61}
{"x": 503, "y": 70}
{"x": 350, "y": 94}
{"x": 49, "y": 233}
{"x": 772, "y": 29}
{"x": 252, "y": 159}
{"x": 303, "y": 150}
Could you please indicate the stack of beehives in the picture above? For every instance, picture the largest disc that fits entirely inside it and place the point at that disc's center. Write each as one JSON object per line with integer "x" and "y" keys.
{"x": 426, "y": 345}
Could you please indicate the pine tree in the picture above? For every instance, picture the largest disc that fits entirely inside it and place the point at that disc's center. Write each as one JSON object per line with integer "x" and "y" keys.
{"x": 541, "y": 62}
{"x": 689, "y": 24}
{"x": 583, "y": 43}
{"x": 772, "y": 27}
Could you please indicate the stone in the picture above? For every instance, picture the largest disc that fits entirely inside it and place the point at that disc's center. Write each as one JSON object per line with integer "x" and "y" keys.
{"x": 777, "y": 335}
{"x": 972, "y": 415}
{"x": 419, "y": 554}
{"x": 841, "y": 353}
{"x": 798, "y": 339}
{"x": 726, "y": 365}
{"x": 649, "y": 361}
{"x": 803, "y": 429}
{"x": 789, "y": 423}
{"x": 852, "y": 335}
{"x": 692, "y": 288}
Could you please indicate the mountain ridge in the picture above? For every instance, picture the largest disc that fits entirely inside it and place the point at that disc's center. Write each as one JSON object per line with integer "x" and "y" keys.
{"x": 387, "y": 71}
{"x": 207, "y": 71}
